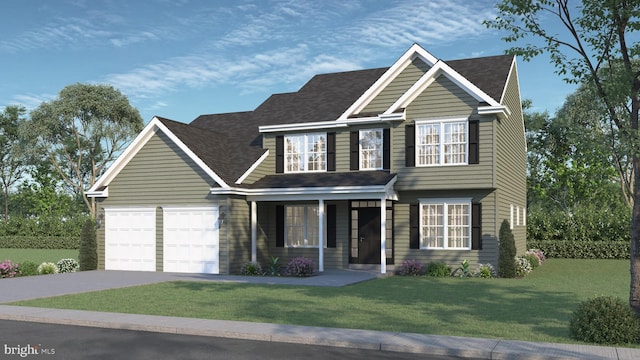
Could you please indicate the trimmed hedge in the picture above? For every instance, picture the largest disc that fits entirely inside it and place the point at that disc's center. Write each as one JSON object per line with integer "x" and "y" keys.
{"x": 582, "y": 249}
{"x": 40, "y": 242}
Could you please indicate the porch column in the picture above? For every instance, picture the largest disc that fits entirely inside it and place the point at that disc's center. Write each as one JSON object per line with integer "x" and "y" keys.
{"x": 321, "y": 235}
{"x": 254, "y": 231}
{"x": 383, "y": 235}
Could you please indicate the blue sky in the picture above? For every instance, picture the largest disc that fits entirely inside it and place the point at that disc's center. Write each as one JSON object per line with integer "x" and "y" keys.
{"x": 182, "y": 58}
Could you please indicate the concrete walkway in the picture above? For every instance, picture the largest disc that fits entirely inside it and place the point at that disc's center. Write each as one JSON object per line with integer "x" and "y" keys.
{"x": 39, "y": 286}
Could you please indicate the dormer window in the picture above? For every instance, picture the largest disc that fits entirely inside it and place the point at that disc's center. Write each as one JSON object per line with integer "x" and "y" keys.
{"x": 305, "y": 152}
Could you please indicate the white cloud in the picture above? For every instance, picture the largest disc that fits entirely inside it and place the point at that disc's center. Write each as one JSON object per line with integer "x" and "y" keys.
{"x": 32, "y": 101}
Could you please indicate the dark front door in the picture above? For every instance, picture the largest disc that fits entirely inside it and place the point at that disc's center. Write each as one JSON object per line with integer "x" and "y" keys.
{"x": 369, "y": 236}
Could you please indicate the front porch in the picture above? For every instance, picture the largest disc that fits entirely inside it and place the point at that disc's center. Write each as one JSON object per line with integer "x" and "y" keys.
{"x": 336, "y": 219}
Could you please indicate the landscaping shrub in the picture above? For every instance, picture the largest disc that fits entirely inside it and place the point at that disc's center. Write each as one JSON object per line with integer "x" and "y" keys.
{"x": 28, "y": 268}
{"x": 533, "y": 260}
{"x": 463, "y": 270}
{"x": 47, "y": 268}
{"x": 273, "y": 268}
{"x": 537, "y": 253}
{"x": 88, "y": 254}
{"x": 605, "y": 320}
{"x": 39, "y": 242}
{"x": 251, "y": 269}
{"x": 523, "y": 267}
{"x": 506, "y": 252}
{"x": 9, "y": 269}
{"x": 486, "y": 271}
{"x": 410, "y": 268}
{"x": 438, "y": 269}
{"x": 582, "y": 249}
{"x": 67, "y": 265}
{"x": 300, "y": 267}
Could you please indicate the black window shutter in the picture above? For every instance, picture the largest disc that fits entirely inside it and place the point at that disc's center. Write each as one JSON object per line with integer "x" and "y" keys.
{"x": 386, "y": 149}
{"x": 331, "y": 226}
{"x": 476, "y": 226}
{"x": 354, "y": 146}
{"x": 474, "y": 151}
{"x": 331, "y": 151}
{"x": 279, "y": 225}
{"x": 410, "y": 147}
{"x": 279, "y": 154}
{"x": 414, "y": 225}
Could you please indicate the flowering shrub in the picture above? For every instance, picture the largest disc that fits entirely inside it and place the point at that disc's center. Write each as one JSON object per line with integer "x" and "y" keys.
{"x": 9, "y": 270}
{"x": 299, "y": 267}
{"x": 68, "y": 265}
{"x": 410, "y": 268}
{"x": 538, "y": 253}
{"x": 47, "y": 268}
{"x": 251, "y": 269}
{"x": 486, "y": 271}
{"x": 523, "y": 267}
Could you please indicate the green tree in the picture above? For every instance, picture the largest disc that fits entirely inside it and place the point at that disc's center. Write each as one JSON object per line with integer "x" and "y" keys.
{"x": 88, "y": 253}
{"x": 589, "y": 44}
{"x": 506, "y": 251}
{"x": 81, "y": 132}
{"x": 12, "y": 158}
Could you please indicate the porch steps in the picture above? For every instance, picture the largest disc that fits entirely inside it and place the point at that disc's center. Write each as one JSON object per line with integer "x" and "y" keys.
{"x": 371, "y": 268}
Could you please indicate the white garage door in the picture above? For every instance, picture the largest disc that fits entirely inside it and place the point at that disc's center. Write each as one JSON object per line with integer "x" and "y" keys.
{"x": 130, "y": 239}
{"x": 190, "y": 237}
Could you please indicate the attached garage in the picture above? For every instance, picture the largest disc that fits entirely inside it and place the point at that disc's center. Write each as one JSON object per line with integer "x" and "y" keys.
{"x": 191, "y": 240}
{"x": 130, "y": 239}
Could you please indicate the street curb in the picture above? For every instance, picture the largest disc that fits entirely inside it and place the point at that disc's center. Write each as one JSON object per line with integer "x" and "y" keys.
{"x": 476, "y": 348}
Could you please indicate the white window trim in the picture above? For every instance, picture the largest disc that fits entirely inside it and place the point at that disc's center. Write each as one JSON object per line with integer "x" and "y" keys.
{"x": 305, "y": 157}
{"x": 441, "y": 122}
{"x": 444, "y": 202}
{"x": 524, "y": 216}
{"x": 381, "y": 150}
{"x": 511, "y": 217}
{"x": 306, "y": 227}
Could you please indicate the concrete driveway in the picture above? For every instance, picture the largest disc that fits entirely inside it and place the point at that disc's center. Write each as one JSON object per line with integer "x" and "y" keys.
{"x": 34, "y": 287}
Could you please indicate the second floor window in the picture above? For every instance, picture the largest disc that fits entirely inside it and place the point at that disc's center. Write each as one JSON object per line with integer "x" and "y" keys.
{"x": 441, "y": 143}
{"x": 371, "y": 149}
{"x": 305, "y": 152}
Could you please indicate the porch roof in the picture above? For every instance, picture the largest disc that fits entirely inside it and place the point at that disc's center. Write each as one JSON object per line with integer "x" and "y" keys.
{"x": 315, "y": 186}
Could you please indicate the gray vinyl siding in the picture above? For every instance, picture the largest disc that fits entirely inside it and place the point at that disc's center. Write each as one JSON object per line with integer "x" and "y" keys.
{"x": 160, "y": 174}
{"x": 268, "y": 165}
{"x": 442, "y": 100}
{"x": 238, "y": 234}
{"x": 397, "y": 87}
{"x": 511, "y": 164}
{"x": 334, "y": 258}
{"x": 489, "y": 252}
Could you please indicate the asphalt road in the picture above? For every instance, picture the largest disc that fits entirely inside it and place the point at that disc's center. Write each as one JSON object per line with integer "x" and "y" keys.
{"x": 27, "y": 340}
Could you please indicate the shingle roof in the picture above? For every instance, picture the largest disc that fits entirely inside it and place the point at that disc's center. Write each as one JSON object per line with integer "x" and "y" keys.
{"x": 487, "y": 73}
{"x": 324, "y": 179}
{"x": 323, "y": 98}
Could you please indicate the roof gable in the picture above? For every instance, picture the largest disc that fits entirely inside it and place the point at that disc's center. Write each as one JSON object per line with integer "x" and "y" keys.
{"x": 100, "y": 188}
{"x": 483, "y": 78}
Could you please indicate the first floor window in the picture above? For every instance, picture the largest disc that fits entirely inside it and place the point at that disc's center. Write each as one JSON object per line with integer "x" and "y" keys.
{"x": 445, "y": 224}
{"x": 301, "y": 226}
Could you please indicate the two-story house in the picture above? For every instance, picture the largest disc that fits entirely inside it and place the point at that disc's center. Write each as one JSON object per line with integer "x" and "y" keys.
{"x": 422, "y": 160}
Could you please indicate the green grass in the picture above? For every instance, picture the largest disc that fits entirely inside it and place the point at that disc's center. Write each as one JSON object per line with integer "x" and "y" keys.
{"x": 38, "y": 256}
{"x": 536, "y": 308}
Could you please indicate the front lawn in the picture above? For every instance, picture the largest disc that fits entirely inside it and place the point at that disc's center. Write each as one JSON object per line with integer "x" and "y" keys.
{"x": 536, "y": 308}
{"x": 38, "y": 256}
